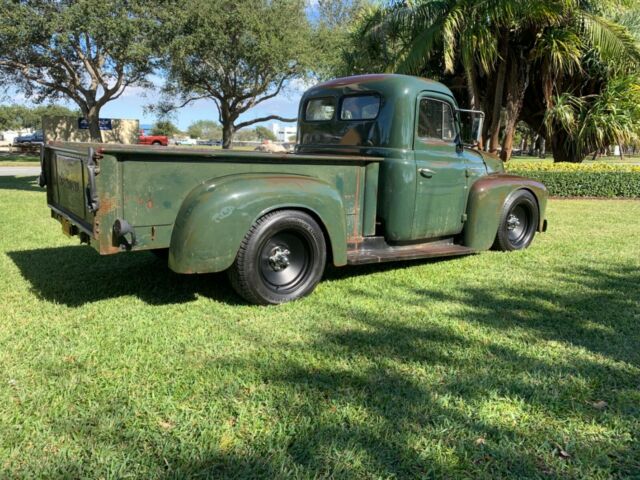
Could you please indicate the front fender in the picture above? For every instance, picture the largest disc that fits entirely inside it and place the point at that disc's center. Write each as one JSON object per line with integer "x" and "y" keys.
{"x": 486, "y": 198}
{"x": 216, "y": 215}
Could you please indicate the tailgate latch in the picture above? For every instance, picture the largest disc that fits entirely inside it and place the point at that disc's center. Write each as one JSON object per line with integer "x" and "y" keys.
{"x": 93, "y": 203}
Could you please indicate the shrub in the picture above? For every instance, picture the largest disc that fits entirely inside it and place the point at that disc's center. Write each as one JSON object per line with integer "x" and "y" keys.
{"x": 583, "y": 180}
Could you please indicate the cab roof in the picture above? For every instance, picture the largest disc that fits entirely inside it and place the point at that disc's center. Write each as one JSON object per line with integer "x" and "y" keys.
{"x": 388, "y": 84}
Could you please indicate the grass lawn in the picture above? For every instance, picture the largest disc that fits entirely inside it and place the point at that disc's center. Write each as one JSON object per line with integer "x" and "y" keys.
{"x": 18, "y": 159}
{"x": 522, "y": 365}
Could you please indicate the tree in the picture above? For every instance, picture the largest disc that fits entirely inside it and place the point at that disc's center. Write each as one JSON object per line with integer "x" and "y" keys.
{"x": 263, "y": 133}
{"x": 246, "y": 135}
{"x": 236, "y": 54}
{"x": 87, "y": 51}
{"x": 165, "y": 127}
{"x": 18, "y": 117}
{"x": 494, "y": 47}
{"x": 207, "y": 129}
{"x": 333, "y": 20}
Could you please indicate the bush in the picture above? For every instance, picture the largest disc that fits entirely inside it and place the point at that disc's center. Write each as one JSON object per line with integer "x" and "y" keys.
{"x": 583, "y": 180}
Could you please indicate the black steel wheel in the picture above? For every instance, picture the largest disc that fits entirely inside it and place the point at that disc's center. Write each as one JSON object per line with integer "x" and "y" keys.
{"x": 282, "y": 258}
{"x": 518, "y": 222}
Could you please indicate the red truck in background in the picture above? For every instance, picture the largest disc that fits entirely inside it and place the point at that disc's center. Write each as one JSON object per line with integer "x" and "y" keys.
{"x": 144, "y": 139}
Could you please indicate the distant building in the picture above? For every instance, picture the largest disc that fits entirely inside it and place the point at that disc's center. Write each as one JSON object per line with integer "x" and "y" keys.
{"x": 9, "y": 135}
{"x": 282, "y": 133}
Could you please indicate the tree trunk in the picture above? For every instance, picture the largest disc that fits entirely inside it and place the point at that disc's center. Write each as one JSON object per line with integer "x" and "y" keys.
{"x": 227, "y": 118}
{"x": 516, "y": 87}
{"x": 564, "y": 148}
{"x": 227, "y": 135}
{"x": 496, "y": 112}
{"x": 93, "y": 117}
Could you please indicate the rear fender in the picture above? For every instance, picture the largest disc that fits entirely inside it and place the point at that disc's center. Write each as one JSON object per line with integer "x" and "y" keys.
{"x": 216, "y": 216}
{"x": 486, "y": 199}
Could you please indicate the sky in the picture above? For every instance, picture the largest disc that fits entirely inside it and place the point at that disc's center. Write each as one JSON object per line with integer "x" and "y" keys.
{"x": 131, "y": 105}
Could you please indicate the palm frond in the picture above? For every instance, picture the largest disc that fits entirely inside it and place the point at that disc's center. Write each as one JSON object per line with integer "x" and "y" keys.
{"x": 613, "y": 42}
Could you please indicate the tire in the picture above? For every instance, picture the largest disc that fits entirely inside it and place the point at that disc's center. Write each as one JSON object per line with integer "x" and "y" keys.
{"x": 518, "y": 222}
{"x": 281, "y": 258}
{"x": 156, "y": 143}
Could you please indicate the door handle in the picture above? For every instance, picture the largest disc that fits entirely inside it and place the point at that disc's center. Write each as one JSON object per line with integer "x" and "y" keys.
{"x": 425, "y": 172}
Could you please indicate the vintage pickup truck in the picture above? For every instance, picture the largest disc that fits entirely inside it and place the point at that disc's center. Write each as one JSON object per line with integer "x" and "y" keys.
{"x": 380, "y": 173}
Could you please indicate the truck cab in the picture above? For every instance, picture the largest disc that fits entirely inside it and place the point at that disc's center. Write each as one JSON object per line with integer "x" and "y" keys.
{"x": 382, "y": 171}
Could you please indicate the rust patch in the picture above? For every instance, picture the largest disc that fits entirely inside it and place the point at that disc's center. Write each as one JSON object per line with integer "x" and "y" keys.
{"x": 109, "y": 249}
{"x": 149, "y": 203}
{"x": 107, "y": 204}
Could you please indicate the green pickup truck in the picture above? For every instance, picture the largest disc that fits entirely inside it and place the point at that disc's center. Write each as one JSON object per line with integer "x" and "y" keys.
{"x": 381, "y": 172}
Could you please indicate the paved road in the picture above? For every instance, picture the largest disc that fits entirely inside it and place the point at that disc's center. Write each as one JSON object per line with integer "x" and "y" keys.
{"x": 19, "y": 171}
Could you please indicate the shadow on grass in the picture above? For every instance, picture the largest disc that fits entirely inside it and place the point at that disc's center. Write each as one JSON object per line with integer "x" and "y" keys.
{"x": 390, "y": 396}
{"x": 78, "y": 275}
{"x": 398, "y": 399}
{"x": 27, "y": 183}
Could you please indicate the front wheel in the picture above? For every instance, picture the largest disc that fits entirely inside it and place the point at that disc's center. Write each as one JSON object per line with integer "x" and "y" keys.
{"x": 282, "y": 258}
{"x": 518, "y": 222}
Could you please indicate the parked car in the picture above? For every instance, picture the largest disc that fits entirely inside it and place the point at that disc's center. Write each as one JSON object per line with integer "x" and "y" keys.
{"x": 144, "y": 139}
{"x": 209, "y": 143}
{"x": 36, "y": 137}
{"x": 385, "y": 170}
{"x": 186, "y": 141}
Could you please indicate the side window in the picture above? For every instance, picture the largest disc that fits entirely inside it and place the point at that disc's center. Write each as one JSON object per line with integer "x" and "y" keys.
{"x": 436, "y": 120}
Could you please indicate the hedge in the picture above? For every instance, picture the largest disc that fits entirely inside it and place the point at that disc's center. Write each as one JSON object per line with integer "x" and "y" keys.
{"x": 583, "y": 180}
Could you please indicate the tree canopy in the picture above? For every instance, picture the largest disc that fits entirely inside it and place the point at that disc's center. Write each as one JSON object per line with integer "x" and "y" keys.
{"x": 514, "y": 58}
{"x": 87, "y": 51}
{"x": 236, "y": 54}
{"x": 18, "y": 117}
{"x": 205, "y": 129}
{"x": 263, "y": 133}
{"x": 165, "y": 127}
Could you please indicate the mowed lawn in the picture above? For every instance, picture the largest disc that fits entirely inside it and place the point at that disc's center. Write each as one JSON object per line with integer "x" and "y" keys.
{"x": 522, "y": 365}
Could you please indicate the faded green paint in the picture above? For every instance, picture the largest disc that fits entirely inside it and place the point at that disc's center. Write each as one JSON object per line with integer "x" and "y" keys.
{"x": 358, "y": 178}
{"x": 485, "y": 203}
{"x": 215, "y": 216}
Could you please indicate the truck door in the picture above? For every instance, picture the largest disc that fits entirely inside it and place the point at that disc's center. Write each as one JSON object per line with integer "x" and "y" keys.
{"x": 441, "y": 191}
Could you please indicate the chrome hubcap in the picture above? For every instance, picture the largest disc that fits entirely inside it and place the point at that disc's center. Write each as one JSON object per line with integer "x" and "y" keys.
{"x": 513, "y": 222}
{"x": 279, "y": 259}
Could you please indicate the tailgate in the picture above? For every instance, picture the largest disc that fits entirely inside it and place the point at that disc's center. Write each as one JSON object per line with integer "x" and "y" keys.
{"x": 71, "y": 189}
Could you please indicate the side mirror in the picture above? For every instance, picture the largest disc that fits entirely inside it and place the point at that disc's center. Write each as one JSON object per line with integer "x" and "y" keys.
{"x": 471, "y": 122}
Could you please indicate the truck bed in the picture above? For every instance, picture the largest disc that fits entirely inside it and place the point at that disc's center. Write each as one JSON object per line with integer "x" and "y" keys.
{"x": 146, "y": 186}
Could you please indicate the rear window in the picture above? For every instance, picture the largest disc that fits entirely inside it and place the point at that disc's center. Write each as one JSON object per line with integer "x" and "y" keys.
{"x": 362, "y": 107}
{"x": 320, "y": 109}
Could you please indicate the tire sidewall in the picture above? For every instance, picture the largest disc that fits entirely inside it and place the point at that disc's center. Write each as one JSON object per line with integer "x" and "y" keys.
{"x": 310, "y": 231}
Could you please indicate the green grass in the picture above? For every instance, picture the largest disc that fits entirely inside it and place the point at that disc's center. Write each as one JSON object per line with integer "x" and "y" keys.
{"x": 487, "y": 366}
{"x": 18, "y": 160}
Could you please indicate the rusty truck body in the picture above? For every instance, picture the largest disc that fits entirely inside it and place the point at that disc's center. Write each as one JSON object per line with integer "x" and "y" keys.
{"x": 380, "y": 173}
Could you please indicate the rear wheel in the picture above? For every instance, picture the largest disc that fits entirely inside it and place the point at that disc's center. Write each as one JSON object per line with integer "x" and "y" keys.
{"x": 282, "y": 258}
{"x": 518, "y": 222}
{"x": 156, "y": 142}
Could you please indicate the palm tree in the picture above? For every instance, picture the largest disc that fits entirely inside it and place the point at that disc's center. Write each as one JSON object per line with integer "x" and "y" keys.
{"x": 497, "y": 44}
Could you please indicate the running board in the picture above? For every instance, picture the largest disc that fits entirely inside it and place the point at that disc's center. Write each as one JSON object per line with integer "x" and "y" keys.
{"x": 378, "y": 252}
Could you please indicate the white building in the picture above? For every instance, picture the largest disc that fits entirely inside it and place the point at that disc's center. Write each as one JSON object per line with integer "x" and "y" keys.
{"x": 9, "y": 135}
{"x": 283, "y": 134}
